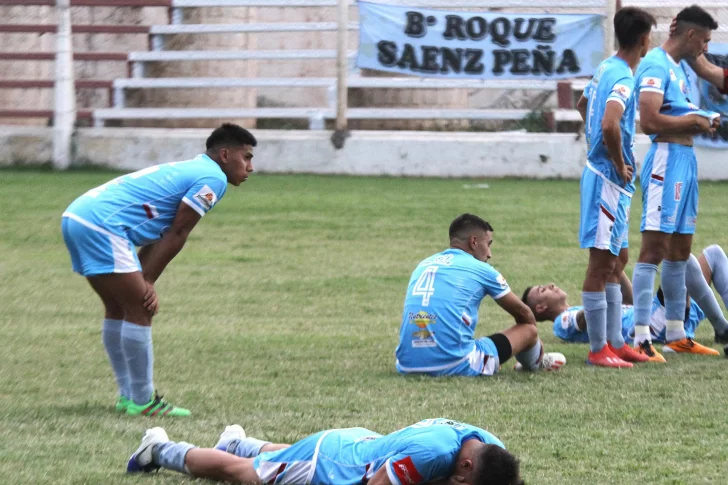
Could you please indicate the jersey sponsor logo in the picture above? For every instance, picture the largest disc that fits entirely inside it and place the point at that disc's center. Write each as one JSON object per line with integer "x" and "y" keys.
{"x": 652, "y": 82}
{"x": 684, "y": 87}
{"x": 423, "y": 337}
{"x": 502, "y": 281}
{"x": 406, "y": 471}
{"x": 678, "y": 190}
{"x": 621, "y": 91}
{"x": 206, "y": 197}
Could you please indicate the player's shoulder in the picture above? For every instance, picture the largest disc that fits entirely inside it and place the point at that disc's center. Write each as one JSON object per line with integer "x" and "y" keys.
{"x": 654, "y": 58}
{"x": 201, "y": 166}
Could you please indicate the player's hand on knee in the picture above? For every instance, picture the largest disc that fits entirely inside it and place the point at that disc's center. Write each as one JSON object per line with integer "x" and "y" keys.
{"x": 151, "y": 300}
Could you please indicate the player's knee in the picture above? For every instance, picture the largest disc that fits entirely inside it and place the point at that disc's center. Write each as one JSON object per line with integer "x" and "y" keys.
{"x": 530, "y": 334}
{"x": 138, "y": 314}
{"x": 714, "y": 253}
{"x": 113, "y": 311}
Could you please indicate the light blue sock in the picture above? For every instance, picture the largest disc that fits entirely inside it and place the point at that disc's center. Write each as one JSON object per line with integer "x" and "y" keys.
{"x": 673, "y": 287}
{"x": 530, "y": 358}
{"x": 246, "y": 448}
{"x": 171, "y": 455}
{"x": 718, "y": 263}
{"x": 699, "y": 291}
{"x": 643, "y": 288}
{"x": 111, "y": 337}
{"x": 614, "y": 315}
{"x": 136, "y": 341}
{"x": 595, "y": 311}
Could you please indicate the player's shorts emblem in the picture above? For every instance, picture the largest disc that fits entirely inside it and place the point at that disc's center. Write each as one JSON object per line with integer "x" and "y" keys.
{"x": 678, "y": 190}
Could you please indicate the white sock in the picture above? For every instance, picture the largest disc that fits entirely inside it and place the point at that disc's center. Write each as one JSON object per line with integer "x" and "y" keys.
{"x": 674, "y": 330}
{"x": 641, "y": 334}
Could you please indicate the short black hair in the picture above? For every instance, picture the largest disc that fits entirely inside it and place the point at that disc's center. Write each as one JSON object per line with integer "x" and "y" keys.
{"x": 230, "y": 134}
{"x": 464, "y": 224}
{"x": 694, "y": 16}
{"x": 497, "y": 466}
{"x": 630, "y": 24}
{"x": 524, "y": 298}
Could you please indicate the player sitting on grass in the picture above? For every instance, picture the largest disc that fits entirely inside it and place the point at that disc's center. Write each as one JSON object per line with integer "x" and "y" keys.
{"x": 548, "y": 302}
{"x": 441, "y": 312}
{"x": 432, "y": 451}
{"x": 155, "y": 208}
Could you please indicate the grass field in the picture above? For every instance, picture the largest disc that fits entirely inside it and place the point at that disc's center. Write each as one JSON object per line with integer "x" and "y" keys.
{"x": 282, "y": 314}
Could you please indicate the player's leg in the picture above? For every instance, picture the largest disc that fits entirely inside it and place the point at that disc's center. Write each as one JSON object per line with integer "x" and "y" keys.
{"x": 157, "y": 451}
{"x": 655, "y": 240}
{"x": 136, "y": 340}
{"x": 600, "y": 213}
{"x": 714, "y": 263}
{"x": 111, "y": 338}
{"x": 615, "y": 328}
{"x": 95, "y": 251}
{"x": 697, "y": 282}
{"x": 234, "y": 440}
{"x": 522, "y": 342}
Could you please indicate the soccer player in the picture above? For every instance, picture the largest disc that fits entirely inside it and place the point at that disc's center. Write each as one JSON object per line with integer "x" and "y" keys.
{"x": 669, "y": 175}
{"x": 441, "y": 312}
{"x": 608, "y": 109}
{"x": 432, "y": 451}
{"x": 549, "y": 302}
{"x": 155, "y": 208}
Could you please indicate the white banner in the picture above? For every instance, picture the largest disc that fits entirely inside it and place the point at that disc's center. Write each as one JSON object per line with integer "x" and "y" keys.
{"x": 437, "y": 43}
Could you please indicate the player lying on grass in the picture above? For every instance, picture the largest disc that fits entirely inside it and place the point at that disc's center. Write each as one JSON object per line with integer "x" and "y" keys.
{"x": 441, "y": 312}
{"x": 155, "y": 209}
{"x": 433, "y": 451}
{"x": 548, "y": 302}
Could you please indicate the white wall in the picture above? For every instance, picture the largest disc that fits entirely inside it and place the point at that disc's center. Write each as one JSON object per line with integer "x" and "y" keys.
{"x": 429, "y": 154}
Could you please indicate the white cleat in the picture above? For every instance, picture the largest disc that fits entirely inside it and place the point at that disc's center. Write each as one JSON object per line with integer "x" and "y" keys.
{"x": 141, "y": 460}
{"x": 551, "y": 361}
{"x": 234, "y": 432}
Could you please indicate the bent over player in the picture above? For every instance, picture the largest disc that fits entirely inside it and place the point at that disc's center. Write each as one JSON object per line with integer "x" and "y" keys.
{"x": 156, "y": 209}
{"x": 669, "y": 174}
{"x": 608, "y": 109}
{"x": 441, "y": 312}
{"x": 433, "y": 451}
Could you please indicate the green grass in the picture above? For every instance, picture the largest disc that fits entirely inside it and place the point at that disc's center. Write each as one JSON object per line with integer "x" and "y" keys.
{"x": 282, "y": 314}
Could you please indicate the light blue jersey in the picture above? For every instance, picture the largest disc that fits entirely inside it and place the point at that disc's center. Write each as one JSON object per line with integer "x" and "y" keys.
{"x": 142, "y": 205}
{"x": 613, "y": 82}
{"x": 566, "y": 328}
{"x": 418, "y": 454}
{"x": 659, "y": 73}
{"x": 441, "y": 311}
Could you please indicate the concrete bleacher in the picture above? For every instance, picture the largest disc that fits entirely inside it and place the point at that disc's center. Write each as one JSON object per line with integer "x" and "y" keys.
{"x": 158, "y": 53}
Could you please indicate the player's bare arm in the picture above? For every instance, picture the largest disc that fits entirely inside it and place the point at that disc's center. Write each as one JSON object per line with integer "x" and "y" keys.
{"x": 626, "y": 286}
{"x": 517, "y": 309}
{"x": 172, "y": 243}
{"x": 380, "y": 477}
{"x": 581, "y": 320}
{"x": 581, "y": 107}
{"x": 612, "y": 136}
{"x": 655, "y": 123}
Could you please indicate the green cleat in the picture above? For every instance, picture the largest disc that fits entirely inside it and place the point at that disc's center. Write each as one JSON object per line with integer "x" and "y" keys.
{"x": 156, "y": 407}
{"x": 122, "y": 404}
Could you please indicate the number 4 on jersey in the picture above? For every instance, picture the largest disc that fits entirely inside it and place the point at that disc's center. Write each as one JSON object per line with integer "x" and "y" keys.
{"x": 425, "y": 285}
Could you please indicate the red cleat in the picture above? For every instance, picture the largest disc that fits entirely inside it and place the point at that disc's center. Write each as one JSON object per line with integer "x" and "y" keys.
{"x": 627, "y": 354}
{"x": 605, "y": 358}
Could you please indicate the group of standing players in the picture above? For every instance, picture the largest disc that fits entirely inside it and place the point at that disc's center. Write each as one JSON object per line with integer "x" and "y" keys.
{"x": 655, "y": 84}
